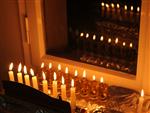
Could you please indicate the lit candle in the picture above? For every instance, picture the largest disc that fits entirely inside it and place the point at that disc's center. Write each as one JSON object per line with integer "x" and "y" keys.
{"x": 76, "y": 73}
{"x": 19, "y": 74}
{"x": 11, "y": 73}
{"x": 118, "y": 6}
{"x": 42, "y": 65}
{"x": 50, "y": 65}
{"x": 138, "y": 9}
{"x": 45, "y": 84}
{"x": 34, "y": 80}
{"x": 101, "y": 38}
{"x": 55, "y": 85}
{"x": 102, "y": 4}
{"x": 49, "y": 92}
{"x": 116, "y": 41}
{"x": 125, "y": 7}
{"x": 131, "y": 45}
{"x": 101, "y": 80}
{"x": 73, "y": 96}
{"x": 124, "y": 44}
{"x": 81, "y": 34}
{"x": 112, "y": 5}
{"x": 131, "y": 8}
{"x": 87, "y": 35}
{"x": 63, "y": 89}
{"x": 84, "y": 74}
{"x": 26, "y": 76}
{"x": 66, "y": 70}
{"x": 141, "y": 100}
{"x": 109, "y": 40}
{"x": 94, "y": 78}
{"x": 94, "y": 37}
{"x": 59, "y": 67}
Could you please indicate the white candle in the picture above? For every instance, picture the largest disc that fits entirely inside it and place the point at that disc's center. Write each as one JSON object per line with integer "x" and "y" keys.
{"x": 19, "y": 74}
{"x": 63, "y": 89}
{"x": 11, "y": 73}
{"x": 54, "y": 86}
{"x": 45, "y": 84}
{"x": 141, "y": 100}
{"x": 34, "y": 80}
{"x": 26, "y": 76}
{"x": 72, "y": 96}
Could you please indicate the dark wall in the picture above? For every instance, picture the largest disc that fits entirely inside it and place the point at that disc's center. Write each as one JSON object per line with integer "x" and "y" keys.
{"x": 10, "y": 36}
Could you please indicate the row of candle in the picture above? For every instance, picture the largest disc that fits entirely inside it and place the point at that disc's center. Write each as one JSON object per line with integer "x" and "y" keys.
{"x": 102, "y": 39}
{"x": 118, "y": 6}
{"x": 54, "y": 84}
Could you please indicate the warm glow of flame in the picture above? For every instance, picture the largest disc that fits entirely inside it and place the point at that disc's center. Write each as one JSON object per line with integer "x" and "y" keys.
{"x": 138, "y": 9}
{"x": 44, "y": 76}
{"x": 76, "y": 73}
{"x": 42, "y": 65}
{"x": 116, "y": 40}
{"x": 81, "y": 34}
{"x": 101, "y": 80}
{"x": 109, "y": 40}
{"x": 25, "y": 70}
{"x": 94, "y": 78}
{"x": 72, "y": 83}
{"x": 49, "y": 91}
{"x": 118, "y": 6}
{"x": 87, "y": 35}
{"x": 94, "y": 37}
{"x": 131, "y": 8}
{"x": 19, "y": 67}
{"x": 107, "y": 5}
{"x": 102, "y": 38}
{"x": 11, "y": 66}
{"x": 131, "y": 45}
{"x": 125, "y": 7}
{"x": 142, "y": 93}
{"x": 31, "y": 72}
{"x": 112, "y": 5}
{"x": 84, "y": 74}
{"x": 55, "y": 76}
{"x": 102, "y": 4}
{"x": 62, "y": 80}
{"x": 50, "y": 65}
{"x": 66, "y": 70}
{"x": 123, "y": 43}
{"x": 59, "y": 67}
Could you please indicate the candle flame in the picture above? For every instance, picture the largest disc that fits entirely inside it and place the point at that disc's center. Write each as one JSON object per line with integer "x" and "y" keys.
{"x": 102, "y": 38}
{"x": 102, "y": 4}
{"x": 138, "y": 9}
{"x": 59, "y": 67}
{"x": 49, "y": 91}
{"x": 84, "y": 74}
{"x": 112, "y": 5}
{"x": 81, "y": 34}
{"x": 123, "y": 43}
{"x": 116, "y": 40}
{"x": 94, "y": 78}
{"x": 107, "y": 5}
{"x": 131, "y": 45}
{"x": 25, "y": 70}
{"x": 118, "y": 6}
{"x": 101, "y": 80}
{"x": 94, "y": 37}
{"x": 50, "y": 66}
{"x": 131, "y": 8}
{"x": 109, "y": 40}
{"x": 125, "y": 7}
{"x": 76, "y": 73}
{"x": 66, "y": 70}
{"x": 31, "y": 72}
{"x": 55, "y": 76}
{"x": 19, "y": 67}
{"x": 142, "y": 93}
{"x": 72, "y": 83}
{"x": 42, "y": 65}
{"x": 63, "y": 80}
{"x": 44, "y": 76}
{"x": 11, "y": 66}
{"x": 87, "y": 35}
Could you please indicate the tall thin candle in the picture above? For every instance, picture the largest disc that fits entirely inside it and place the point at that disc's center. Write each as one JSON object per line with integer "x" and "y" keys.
{"x": 34, "y": 80}
{"x": 55, "y": 85}
{"x": 19, "y": 74}
{"x": 26, "y": 76}
{"x": 45, "y": 83}
{"x": 63, "y": 89}
{"x": 73, "y": 96}
{"x": 11, "y": 73}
